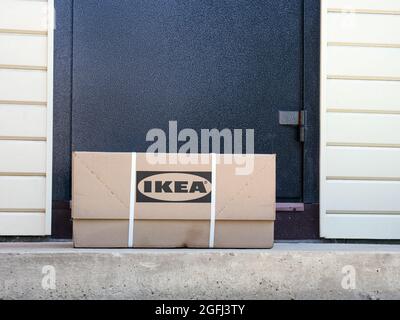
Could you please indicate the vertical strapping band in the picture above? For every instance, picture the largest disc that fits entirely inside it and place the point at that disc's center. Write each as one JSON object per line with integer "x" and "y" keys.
{"x": 213, "y": 194}
{"x": 132, "y": 201}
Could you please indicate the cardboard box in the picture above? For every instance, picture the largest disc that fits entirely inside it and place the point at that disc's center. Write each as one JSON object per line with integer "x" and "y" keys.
{"x": 123, "y": 200}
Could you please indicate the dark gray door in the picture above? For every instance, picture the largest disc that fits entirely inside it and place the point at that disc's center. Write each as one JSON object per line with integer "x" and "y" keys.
{"x": 206, "y": 64}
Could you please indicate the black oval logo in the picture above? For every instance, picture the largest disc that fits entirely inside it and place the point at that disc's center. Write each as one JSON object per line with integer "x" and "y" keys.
{"x": 173, "y": 186}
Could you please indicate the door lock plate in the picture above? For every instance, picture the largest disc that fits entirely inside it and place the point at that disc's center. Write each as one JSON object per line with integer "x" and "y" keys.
{"x": 294, "y": 118}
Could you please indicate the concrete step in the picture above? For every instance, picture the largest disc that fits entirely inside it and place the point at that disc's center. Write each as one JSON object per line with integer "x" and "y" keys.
{"x": 288, "y": 271}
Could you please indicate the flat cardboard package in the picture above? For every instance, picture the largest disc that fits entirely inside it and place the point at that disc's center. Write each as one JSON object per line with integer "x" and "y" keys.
{"x": 124, "y": 200}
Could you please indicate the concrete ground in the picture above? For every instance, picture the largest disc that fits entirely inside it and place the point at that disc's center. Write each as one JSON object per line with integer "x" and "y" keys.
{"x": 288, "y": 271}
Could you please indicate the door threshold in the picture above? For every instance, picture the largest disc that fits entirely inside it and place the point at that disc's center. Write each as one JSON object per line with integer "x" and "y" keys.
{"x": 289, "y": 206}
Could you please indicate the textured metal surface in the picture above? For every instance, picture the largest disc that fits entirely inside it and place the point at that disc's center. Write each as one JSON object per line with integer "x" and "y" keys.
{"x": 311, "y": 100}
{"x": 303, "y": 225}
{"x": 62, "y": 101}
{"x": 206, "y": 64}
{"x": 61, "y": 222}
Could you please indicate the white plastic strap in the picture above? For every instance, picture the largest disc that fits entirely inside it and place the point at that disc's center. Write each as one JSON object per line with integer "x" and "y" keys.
{"x": 213, "y": 191}
{"x": 132, "y": 201}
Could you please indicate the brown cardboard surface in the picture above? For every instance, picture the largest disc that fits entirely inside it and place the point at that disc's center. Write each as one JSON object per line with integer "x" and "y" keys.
{"x": 244, "y": 234}
{"x": 100, "y": 233}
{"x": 245, "y": 204}
{"x": 173, "y": 211}
{"x": 199, "y": 162}
{"x": 171, "y": 233}
{"x": 246, "y": 197}
{"x": 101, "y": 185}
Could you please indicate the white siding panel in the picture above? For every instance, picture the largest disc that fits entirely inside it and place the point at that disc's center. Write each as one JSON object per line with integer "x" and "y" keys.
{"x": 363, "y": 28}
{"x": 360, "y": 226}
{"x": 364, "y": 4}
{"x": 16, "y": 49}
{"x": 353, "y": 128}
{"x": 23, "y": 15}
{"x": 359, "y": 61}
{"x": 22, "y": 192}
{"x": 22, "y": 121}
{"x": 22, "y": 223}
{"x": 360, "y": 119}
{"x": 23, "y": 156}
{"x": 23, "y": 85}
{"x": 375, "y": 163}
{"x": 26, "y": 44}
{"x": 363, "y": 95}
{"x": 363, "y": 196}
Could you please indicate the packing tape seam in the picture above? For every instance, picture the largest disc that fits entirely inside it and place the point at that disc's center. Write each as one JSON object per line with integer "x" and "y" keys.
{"x": 213, "y": 197}
{"x": 132, "y": 201}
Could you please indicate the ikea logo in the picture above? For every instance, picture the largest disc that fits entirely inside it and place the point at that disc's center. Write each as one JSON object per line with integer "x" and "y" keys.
{"x": 173, "y": 186}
